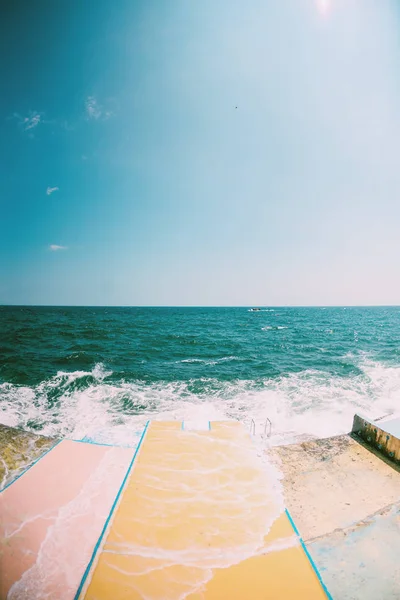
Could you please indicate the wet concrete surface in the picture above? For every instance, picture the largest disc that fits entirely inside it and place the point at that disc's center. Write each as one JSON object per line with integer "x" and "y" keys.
{"x": 345, "y": 501}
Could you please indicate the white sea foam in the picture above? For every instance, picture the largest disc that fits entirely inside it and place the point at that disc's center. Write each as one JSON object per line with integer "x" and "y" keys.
{"x": 209, "y": 362}
{"x": 309, "y": 403}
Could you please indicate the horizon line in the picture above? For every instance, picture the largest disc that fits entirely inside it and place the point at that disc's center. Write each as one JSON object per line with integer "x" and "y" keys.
{"x": 199, "y": 305}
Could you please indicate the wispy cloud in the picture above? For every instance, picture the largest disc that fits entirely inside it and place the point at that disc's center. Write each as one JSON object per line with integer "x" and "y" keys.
{"x": 32, "y": 121}
{"x": 29, "y": 122}
{"x": 50, "y": 190}
{"x": 94, "y": 110}
{"x": 57, "y": 248}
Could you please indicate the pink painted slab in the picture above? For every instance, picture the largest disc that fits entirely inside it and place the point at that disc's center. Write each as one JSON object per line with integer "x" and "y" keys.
{"x": 51, "y": 519}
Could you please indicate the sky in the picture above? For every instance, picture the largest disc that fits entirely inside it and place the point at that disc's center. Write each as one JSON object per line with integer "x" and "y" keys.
{"x": 222, "y": 152}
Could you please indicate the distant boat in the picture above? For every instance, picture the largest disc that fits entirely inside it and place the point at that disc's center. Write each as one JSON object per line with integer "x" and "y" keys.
{"x": 255, "y": 309}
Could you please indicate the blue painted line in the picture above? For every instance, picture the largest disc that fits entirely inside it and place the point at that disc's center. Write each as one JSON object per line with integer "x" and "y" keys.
{"x": 86, "y": 573}
{"x": 30, "y": 466}
{"x": 88, "y": 441}
{"x": 314, "y": 566}
{"x": 83, "y": 441}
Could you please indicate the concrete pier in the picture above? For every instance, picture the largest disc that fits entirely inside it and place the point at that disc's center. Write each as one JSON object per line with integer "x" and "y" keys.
{"x": 198, "y": 520}
{"x": 193, "y": 513}
{"x": 190, "y": 514}
{"x": 346, "y": 502}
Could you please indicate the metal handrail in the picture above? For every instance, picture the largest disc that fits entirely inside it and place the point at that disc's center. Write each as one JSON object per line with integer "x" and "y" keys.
{"x": 270, "y": 427}
{"x": 253, "y": 427}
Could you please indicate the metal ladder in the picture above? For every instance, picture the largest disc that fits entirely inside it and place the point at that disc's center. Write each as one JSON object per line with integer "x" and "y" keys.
{"x": 253, "y": 427}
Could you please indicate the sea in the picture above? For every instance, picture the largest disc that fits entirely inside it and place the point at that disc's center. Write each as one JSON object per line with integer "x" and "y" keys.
{"x": 289, "y": 374}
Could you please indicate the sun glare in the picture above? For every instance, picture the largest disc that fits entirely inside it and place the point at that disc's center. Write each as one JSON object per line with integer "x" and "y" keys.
{"x": 323, "y": 6}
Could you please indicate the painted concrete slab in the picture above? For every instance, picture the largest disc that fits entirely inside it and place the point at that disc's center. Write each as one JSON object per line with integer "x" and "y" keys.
{"x": 362, "y": 561}
{"x": 200, "y": 519}
{"x": 51, "y": 517}
{"x": 345, "y": 500}
{"x": 18, "y": 450}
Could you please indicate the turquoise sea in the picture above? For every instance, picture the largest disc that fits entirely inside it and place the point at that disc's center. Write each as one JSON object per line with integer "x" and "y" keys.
{"x": 102, "y": 372}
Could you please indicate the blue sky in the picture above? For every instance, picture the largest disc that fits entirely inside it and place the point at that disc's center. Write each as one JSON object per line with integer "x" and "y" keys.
{"x": 128, "y": 176}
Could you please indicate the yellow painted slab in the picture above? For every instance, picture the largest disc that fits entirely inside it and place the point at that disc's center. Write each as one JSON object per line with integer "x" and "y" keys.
{"x": 200, "y": 518}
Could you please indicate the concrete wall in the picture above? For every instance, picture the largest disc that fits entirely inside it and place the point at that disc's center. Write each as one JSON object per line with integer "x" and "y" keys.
{"x": 377, "y": 437}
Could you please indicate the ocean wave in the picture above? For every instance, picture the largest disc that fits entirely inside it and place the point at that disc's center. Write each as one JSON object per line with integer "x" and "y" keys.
{"x": 273, "y": 327}
{"x": 90, "y": 404}
{"x": 205, "y": 361}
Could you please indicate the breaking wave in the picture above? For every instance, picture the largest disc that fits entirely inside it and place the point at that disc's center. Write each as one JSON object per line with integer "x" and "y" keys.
{"x": 91, "y": 404}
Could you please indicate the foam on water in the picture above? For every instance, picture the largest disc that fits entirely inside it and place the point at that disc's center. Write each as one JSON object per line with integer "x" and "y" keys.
{"x": 309, "y": 403}
{"x": 203, "y": 361}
